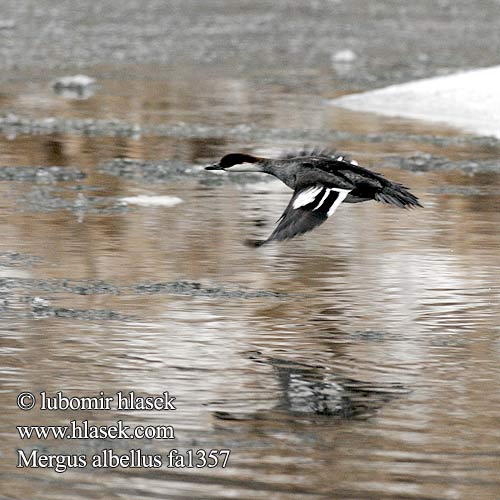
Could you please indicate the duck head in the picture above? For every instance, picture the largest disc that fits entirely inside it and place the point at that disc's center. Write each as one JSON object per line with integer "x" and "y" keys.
{"x": 238, "y": 162}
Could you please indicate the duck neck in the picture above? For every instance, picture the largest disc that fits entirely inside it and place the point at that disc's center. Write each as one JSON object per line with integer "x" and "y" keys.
{"x": 284, "y": 171}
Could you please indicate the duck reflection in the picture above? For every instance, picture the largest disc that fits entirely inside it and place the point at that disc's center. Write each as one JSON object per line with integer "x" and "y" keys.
{"x": 308, "y": 390}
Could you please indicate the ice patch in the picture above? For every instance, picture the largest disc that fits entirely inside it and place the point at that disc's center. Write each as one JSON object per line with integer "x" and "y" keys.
{"x": 469, "y": 101}
{"x": 152, "y": 201}
{"x": 344, "y": 56}
{"x": 75, "y": 86}
{"x": 74, "y": 81}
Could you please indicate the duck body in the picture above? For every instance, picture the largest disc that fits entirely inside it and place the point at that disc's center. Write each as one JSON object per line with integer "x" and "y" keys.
{"x": 321, "y": 182}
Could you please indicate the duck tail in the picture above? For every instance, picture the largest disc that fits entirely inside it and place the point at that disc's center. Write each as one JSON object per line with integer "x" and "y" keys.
{"x": 397, "y": 195}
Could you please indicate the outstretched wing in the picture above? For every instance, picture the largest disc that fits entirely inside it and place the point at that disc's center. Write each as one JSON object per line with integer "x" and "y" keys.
{"x": 308, "y": 208}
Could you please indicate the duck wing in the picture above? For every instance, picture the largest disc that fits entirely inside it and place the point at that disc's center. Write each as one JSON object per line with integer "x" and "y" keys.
{"x": 367, "y": 184}
{"x": 309, "y": 207}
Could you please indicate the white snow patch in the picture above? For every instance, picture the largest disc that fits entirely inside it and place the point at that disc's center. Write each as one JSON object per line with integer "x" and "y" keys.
{"x": 7, "y": 24}
{"x": 75, "y": 86}
{"x": 152, "y": 201}
{"x": 344, "y": 56}
{"x": 469, "y": 100}
{"x": 74, "y": 81}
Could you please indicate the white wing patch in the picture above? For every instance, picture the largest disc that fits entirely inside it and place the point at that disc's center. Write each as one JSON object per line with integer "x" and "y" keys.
{"x": 307, "y": 196}
{"x": 321, "y": 196}
{"x": 340, "y": 198}
{"x": 342, "y": 158}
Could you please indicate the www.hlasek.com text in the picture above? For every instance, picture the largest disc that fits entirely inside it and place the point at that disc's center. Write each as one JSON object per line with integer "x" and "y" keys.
{"x": 85, "y": 430}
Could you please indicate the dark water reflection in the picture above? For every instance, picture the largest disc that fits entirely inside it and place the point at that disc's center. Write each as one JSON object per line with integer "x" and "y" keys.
{"x": 375, "y": 376}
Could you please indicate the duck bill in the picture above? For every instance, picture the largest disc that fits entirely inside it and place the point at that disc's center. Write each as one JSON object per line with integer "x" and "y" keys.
{"x": 215, "y": 166}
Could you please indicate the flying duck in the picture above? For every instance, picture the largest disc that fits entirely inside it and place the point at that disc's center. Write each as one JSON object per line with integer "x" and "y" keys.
{"x": 321, "y": 182}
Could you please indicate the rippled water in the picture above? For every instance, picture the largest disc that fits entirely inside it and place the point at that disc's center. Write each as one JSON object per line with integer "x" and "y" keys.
{"x": 361, "y": 361}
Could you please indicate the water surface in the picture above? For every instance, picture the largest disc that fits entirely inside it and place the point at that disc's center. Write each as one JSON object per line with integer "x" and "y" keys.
{"x": 361, "y": 361}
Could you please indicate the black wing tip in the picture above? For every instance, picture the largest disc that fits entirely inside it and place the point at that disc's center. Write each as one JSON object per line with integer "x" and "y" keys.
{"x": 399, "y": 197}
{"x": 254, "y": 243}
{"x": 415, "y": 204}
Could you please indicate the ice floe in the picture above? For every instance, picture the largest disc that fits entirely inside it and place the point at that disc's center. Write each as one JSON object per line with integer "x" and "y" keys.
{"x": 152, "y": 201}
{"x": 469, "y": 101}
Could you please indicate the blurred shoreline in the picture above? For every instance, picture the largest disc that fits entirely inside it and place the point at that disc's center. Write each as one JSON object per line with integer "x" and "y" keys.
{"x": 362, "y": 44}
